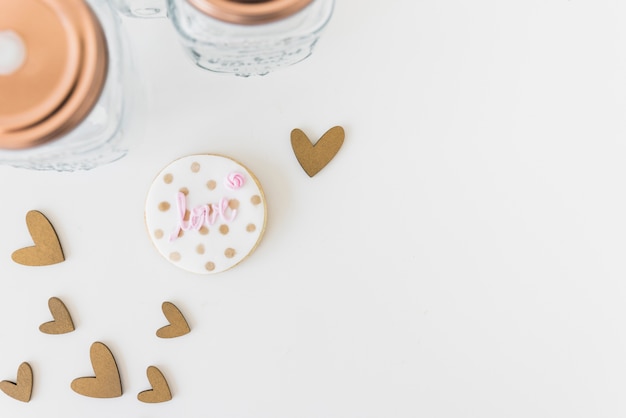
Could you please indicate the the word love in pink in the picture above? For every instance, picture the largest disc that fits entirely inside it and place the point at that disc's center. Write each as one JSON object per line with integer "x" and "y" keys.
{"x": 201, "y": 215}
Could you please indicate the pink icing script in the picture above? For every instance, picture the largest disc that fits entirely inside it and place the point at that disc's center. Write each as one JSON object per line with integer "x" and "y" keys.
{"x": 200, "y": 215}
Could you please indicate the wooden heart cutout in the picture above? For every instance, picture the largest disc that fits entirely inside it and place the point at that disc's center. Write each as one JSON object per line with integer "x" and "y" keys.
{"x": 23, "y": 388}
{"x": 106, "y": 383}
{"x": 62, "y": 322}
{"x": 311, "y": 157}
{"x": 160, "y": 391}
{"x": 178, "y": 325}
{"x": 47, "y": 249}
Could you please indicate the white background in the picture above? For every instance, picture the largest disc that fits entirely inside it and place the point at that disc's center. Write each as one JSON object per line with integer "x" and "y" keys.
{"x": 462, "y": 255}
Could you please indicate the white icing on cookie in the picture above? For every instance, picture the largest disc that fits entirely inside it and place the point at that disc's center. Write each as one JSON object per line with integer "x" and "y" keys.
{"x": 205, "y": 213}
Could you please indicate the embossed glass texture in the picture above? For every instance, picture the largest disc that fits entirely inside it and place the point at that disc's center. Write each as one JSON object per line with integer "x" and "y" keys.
{"x": 235, "y": 48}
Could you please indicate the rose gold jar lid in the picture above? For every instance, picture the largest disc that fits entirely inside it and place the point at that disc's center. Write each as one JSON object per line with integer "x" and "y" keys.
{"x": 249, "y": 12}
{"x": 62, "y": 73}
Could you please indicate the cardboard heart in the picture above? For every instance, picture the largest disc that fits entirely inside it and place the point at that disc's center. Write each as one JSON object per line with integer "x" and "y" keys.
{"x": 311, "y": 157}
{"x": 62, "y": 322}
{"x": 160, "y": 391}
{"x": 23, "y": 388}
{"x": 178, "y": 325}
{"x": 106, "y": 383}
{"x": 47, "y": 249}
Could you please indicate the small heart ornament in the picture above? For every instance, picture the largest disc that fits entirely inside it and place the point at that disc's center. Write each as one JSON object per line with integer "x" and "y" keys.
{"x": 160, "y": 391}
{"x": 106, "y": 383}
{"x": 62, "y": 323}
{"x": 313, "y": 158}
{"x": 47, "y": 249}
{"x": 22, "y": 389}
{"x": 178, "y": 324}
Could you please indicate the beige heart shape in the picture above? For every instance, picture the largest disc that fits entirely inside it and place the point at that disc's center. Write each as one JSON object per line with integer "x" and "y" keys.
{"x": 23, "y": 388}
{"x": 311, "y": 157}
{"x": 106, "y": 383}
{"x": 62, "y": 322}
{"x": 160, "y": 391}
{"x": 47, "y": 249}
{"x": 178, "y": 324}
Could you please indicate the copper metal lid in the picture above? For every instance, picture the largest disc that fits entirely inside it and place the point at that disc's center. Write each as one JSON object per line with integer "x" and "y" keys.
{"x": 61, "y": 76}
{"x": 249, "y": 12}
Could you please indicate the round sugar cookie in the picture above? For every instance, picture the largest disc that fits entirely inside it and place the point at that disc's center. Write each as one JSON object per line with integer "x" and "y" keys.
{"x": 205, "y": 213}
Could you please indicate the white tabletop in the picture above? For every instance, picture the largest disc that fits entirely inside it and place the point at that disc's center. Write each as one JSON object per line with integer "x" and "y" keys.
{"x": 461, "y": 256}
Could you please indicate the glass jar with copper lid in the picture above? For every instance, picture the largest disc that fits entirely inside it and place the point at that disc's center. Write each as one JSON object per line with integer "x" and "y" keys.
{"x": 242, "y": 37}
{"x": 61, "y": 82}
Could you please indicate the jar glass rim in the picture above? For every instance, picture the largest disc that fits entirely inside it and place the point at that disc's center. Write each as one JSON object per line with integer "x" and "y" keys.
{"x": 249, "y": 12}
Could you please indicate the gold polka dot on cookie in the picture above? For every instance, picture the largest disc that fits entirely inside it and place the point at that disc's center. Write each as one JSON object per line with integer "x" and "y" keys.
{"x": 184, "y": 191}
{"x": 233, "y": 204}
{"x": 158, "y": 234}
{"x": 251, "y": 228}
{"x": 256, "y": 199}
{"x": 200, "y": 249}
{"x": 195, "y": 167}
{"x": 168, "y": 178}
{"x": 224, "y": 229}
{"x": 187, "y": 215}
{"x": 164, "y": 206}
{"x": 180, "y": 233}
{"x": 209, "y": 266}
{"x": 175, "y": 256}
{"x": 229, "y": 252}
{"x": 203, "y": 230}
{"x": 211, "y": 184}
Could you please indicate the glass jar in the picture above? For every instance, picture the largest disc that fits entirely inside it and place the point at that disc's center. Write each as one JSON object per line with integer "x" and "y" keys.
{"x": 241, "y": 37}
{"x": 62, "y": 68}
